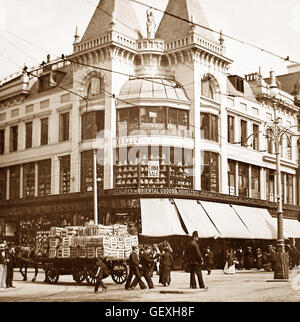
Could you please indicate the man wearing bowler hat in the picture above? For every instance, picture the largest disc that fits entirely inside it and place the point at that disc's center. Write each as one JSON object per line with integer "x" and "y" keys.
{"x": 195, "y": 260}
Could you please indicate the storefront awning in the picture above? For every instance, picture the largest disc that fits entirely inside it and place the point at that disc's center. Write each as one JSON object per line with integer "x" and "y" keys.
{"x": 226, "y": 220}
{"x": 196, "y": 219}
{"x": 258, "y": 221}
{"x": 291, "y": 227}
{"x": 160, "y": 218}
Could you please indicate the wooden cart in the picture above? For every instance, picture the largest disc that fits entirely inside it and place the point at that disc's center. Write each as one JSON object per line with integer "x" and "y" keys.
{"x": 82, "y": 269}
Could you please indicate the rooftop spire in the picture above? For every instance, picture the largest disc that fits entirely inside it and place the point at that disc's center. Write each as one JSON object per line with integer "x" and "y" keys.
{"x": 118, "y": 12}
{"x": 172, "y": 27}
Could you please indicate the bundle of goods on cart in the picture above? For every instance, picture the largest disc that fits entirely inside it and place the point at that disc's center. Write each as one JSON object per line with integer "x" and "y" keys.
{"x": 91, "y": 242}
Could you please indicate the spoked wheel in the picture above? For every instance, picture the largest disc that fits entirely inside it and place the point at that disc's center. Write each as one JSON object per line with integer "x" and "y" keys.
{"x": 52, "y": 275}
{"x": 119, "y": 273}
{"x": 91, "y": 277}
{"x": 79, "y": 274}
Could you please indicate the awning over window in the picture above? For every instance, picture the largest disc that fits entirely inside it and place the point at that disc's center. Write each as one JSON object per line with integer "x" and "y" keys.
{"x": 226, "y": 220}
{"x": 291, "y": 227}
{"x": 258, "y": 221}
{"x": 196, "y": 219}
{"x": 160, "y": 218}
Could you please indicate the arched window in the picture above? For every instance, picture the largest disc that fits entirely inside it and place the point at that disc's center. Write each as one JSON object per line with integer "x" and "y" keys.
{"x": 95, "y": 87}
{"x": 207, "y": 89}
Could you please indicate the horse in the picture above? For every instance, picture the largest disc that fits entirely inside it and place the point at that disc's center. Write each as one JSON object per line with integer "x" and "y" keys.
{"x": 26, "y": 257}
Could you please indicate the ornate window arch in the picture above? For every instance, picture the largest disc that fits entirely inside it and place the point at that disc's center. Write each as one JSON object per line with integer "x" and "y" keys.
{"x": 93, "y": 84}
{"x": 210, "y": 88}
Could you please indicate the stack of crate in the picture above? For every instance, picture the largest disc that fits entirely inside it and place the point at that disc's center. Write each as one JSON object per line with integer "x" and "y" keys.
{"x": 63, "y": 252}
{"x": 74, "y": 252}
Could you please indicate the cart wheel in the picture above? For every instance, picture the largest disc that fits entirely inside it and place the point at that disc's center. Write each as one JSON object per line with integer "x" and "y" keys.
{"x": 91, "y": 277}
{"x": 52, "y": 275}
{"x": 119, "y": 273}
{"x": 79, "y": 274}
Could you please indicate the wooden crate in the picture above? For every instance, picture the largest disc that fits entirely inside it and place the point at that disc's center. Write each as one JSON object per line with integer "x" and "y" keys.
{"x": 99, "y": 252}
{"x": 66, "y": 242}
{"x": 64, "y": 252}
{"x": 82, "y": 253}
{"x": 134, "y": 240}
{"x": 121, "y": 243}
{"x": 114, "y": 242}
{"x": 53, "y": 242}
{"x": 120, "y": 253}
{"x": 52, "y": 252}
{"x": 74, "y": 252}
{"x": 91, "y": 252}
{"x": 127, "y": 242}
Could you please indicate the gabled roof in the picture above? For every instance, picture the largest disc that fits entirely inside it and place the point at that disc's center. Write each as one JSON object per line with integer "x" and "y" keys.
{"x": 118, "y": 11}
{"x": 172, "y": 27}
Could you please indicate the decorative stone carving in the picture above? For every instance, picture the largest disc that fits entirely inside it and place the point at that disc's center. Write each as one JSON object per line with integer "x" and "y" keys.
{"x": 150, "y": 24}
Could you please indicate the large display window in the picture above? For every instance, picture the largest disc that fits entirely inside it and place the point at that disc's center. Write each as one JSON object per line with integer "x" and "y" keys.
{"x": 210, "y": 172}
{"x": 243, "y": 180}
{"x": 44, "y": 178}
{"x": 92, "y": 125}
{"x": 150, "y": 119}
{"x": 153, "y": 167}
{"x": 3, "y": 175}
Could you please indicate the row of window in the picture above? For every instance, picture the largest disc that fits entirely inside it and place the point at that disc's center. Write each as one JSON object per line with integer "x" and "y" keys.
{"x": 243, "y": 189}
{"x": 165, "y": 167}
{"x": 64, "y": 125}
{"x": 150, "y": 119}
{"x": 245, "y": 139}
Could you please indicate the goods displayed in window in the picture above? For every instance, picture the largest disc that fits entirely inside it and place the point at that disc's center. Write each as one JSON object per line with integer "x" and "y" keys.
{"x": 165, "y": 167}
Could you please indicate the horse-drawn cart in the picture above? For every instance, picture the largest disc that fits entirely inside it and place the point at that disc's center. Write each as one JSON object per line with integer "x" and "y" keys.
{"x": 82, "y": 269}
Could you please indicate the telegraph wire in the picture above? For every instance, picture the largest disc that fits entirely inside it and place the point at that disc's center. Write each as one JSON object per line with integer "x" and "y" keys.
{"x": 217, "y": 32}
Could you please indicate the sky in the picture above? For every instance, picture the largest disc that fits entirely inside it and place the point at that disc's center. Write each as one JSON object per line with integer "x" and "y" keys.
{"x": 29, "y": 29}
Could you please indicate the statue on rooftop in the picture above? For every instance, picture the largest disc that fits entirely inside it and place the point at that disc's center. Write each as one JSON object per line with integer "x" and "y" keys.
{"x": 150, "y": 24}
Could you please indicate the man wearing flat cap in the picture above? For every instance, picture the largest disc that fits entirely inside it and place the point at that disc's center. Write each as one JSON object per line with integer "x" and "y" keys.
{"x": 195, "y": 260}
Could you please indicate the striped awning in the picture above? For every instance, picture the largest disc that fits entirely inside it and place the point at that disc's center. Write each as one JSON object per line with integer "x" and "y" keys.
{"x": 196, "y": 219}
{"x": 160, "y": 218}
{"x": 226, "y": 220}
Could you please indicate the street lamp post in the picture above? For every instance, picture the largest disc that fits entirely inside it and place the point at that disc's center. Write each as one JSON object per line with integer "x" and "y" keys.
{"x": 95, "y": 187}
{"x": 282, "y": 261}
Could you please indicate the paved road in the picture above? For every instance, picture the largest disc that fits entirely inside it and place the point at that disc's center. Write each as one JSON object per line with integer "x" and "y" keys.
{"x": 245, "y": 286}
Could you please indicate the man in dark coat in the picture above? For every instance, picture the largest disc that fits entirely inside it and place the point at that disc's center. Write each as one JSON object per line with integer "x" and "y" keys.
{"x": 134, "y": 269}
{"x": 209, "y": 260}
{"x": 146, "y": 267}
{"x": 195, "y": 260}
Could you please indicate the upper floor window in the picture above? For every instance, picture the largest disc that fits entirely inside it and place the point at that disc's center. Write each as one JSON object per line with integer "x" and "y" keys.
{"x": 289, "y": 148}
{"x": 64, "y": 127}
{"x": 92, "y": 124}
{"x": 244, "y": 133}
{"x": 44, "y": 131}
{"x": 209, "y": 127}
{"x": 28, "y": 140}
{"x": 255, "y": 143}
{"x": 95, "y": 87}
{"x": 2, "y": 141}
{"x": 13, "y": 144}
{"x": 230, "y": 126}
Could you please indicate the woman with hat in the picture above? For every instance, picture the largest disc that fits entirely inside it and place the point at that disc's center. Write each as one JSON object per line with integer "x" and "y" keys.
{"x": 3, "y": 266}
{"x": 166, "y": 264}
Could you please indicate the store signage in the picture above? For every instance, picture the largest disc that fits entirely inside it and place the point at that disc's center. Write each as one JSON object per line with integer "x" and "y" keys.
{"x": 153, "y": 169}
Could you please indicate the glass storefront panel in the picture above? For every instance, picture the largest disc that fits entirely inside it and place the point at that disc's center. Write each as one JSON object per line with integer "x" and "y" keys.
{"x": 44, "y": 178}
{"x": 87, "y": 183}
{"x": 14, "y": 182}
{"x": 231, "y": 177}
{"x": 28, "y": 180}
{"x": 153, "y": 167}
{"x": 3, "y": 179}
{"x": 210, "y": 172}
{"x": 65, "y": 174}
{"x": 255, "y": 182}
{"x": 243, "y": 180}
{"x": 270, "y": 176}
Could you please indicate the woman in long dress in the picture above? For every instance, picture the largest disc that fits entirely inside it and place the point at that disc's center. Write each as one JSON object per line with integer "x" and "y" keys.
{"x": 230, "y": 264}
{"x": 166, "y": 267}
{"x": 3, "y": 267}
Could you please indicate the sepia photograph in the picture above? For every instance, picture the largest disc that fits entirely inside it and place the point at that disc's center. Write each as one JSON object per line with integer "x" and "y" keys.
{"x": 149, "y": 154}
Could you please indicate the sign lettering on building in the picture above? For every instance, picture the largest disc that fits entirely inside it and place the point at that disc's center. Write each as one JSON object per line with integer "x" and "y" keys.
{"x": 153, "y": 169}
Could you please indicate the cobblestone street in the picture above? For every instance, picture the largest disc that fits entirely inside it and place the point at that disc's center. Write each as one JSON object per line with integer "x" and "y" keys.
{"x": 244, "y": 286}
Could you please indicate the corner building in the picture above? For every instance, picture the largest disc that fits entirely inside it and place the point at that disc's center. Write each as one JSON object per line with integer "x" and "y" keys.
{"x": 180, "y": 143}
